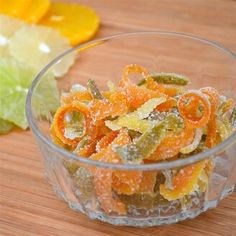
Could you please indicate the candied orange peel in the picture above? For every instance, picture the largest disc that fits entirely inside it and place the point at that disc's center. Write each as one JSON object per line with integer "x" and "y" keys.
{"x": 156, "y": 120}
{"x": 184, "y": 182}
{"x": 59, "y": 121}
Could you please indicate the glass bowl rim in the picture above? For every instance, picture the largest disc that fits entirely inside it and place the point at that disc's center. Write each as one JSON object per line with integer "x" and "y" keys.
{"x": 163, "y": 165}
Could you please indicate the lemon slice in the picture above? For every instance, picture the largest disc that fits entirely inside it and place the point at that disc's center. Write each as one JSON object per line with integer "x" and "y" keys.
{"x": 36, "y": 10}
{"x": 36, "y": 46}
{"x": 8, "y": 26}
{"x": 14, "y": 8}
{"x": 76, "y": 22}
{"x": 15, "y": 79}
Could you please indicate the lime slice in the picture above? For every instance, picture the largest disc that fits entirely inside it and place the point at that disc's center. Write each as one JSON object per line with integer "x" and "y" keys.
{"x": 36, "y": 46}
{"x": 8, "y": 26}
{"x": 15, "y": 79}
{"x": 5, "y": 126}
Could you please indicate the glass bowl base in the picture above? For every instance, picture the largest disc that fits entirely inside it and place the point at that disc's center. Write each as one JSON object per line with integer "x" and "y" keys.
{"x": 147, "y": 221}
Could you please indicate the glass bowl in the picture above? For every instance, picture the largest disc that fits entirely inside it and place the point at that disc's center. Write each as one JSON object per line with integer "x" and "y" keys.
{"x": 204, "y": 62}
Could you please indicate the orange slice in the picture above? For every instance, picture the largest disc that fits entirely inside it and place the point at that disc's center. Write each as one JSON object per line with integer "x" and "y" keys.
{"x": 75, "y": 22}
{"x": 184, "y": 183}
{"x": 36, "y": 10}
{"x": 15, "y": 8}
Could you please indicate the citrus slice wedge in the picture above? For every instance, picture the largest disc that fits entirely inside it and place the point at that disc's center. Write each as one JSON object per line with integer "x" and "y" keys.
{"x": 14, "y": 8}
{"x": 8, "y": 26}
{"x": 15, "y": 79}
{"x": 44, "y": 44}
{"x": 75, "y": 22}
{"x": 36, "y": 10}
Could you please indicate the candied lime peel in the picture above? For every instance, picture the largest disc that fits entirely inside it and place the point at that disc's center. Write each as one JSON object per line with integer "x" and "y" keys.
{"x": 15, "y": 79}
{"x": 147, "y": 143}
{"x": 93, "y": 88}
{"x": 168, "y": 78}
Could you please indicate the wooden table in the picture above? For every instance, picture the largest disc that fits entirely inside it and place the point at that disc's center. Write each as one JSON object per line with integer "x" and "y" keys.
{"x": 28, "y": 205}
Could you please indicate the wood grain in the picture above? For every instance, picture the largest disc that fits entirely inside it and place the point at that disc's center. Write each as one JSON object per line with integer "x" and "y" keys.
{"x": 28, "y": 206}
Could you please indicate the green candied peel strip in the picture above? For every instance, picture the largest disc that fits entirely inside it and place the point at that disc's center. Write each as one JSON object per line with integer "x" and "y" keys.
{"x": 5, "y": 126}
{"x": 148, "y": 142}
{"x": 168, "y": 78}
{"x": 134, "y": 121}
{"x": 94, "y": 89}
{"x": 233, "y": 117}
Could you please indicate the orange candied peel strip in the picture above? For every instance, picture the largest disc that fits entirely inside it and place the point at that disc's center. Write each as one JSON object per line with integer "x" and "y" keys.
{"x": 76, "y": 96}
{"x": 132, "y": 68}
{"x": 88, "y": 150}
{"x": 167, "y": 105}
{"x": 106, "y": 140}
{"x": 59, "y": 121}
{"x": 103, "y": 177}
{"x": 153, "y": 85}
{"x": 213, "y": 95}
{"x": 171, "y": 145}
{"x": 148, "y": 182}
{"x": 168, "y": 89}
{"x": 137, "y": 95}
{"x": 185, "y": 182}
{"x": 192, "y": 120}
{"x": 126, "y": 182}
{"x": 115, "y": 106}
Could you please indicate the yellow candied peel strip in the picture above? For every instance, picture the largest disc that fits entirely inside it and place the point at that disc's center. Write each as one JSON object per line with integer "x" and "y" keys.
{"x": 134, "y": 120}
{"x": 185, "y": 182}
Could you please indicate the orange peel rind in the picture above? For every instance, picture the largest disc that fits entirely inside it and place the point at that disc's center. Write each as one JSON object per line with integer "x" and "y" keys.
{"x": 185, "y": 182}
